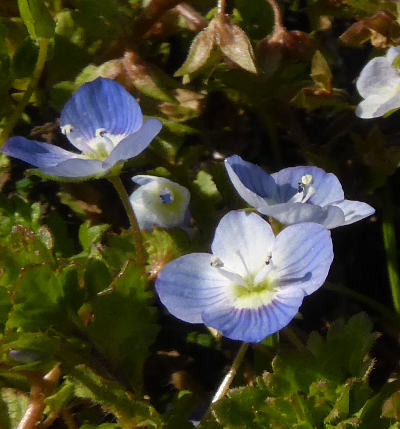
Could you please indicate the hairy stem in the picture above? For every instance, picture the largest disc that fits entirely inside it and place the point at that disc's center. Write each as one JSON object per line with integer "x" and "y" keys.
{"x": 226, "y": 382}
{"x": 278, "y": 20}
{"x": 40, "y": 389}
{"x": 120, "y": 188}
{"x": 37, "y": 72}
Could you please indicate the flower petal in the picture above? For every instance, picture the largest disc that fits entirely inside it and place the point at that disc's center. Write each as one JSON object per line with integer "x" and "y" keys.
{"x": 243, "y": 242}
{"x": 76, "y": 168}
{"x": 149, "y": 207}
{"x": 253, "y": 325}
{"x": 392, "y": 103}
{"x": 251, "y": 182}
{"x": 302, "y": 256}
{"x": 377, "y": 78}
{"x": 100, "y": 104}
{"x": 292, "y": 213}
{"x": 354, "y": 210}
{"x": 370, "y": 107}
{"x": 136, "y": 143}
{"x": 38, "y": 154}
{"x": 189, "y": 284}
{"x": 327, "y": 186}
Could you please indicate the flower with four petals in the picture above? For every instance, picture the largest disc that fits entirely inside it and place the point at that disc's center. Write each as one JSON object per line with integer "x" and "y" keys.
{"x": 159, "y": 202}
{"x": 253, "y": 282}
{"x": 103, "y": 121}
{"x": 295, "y": 194}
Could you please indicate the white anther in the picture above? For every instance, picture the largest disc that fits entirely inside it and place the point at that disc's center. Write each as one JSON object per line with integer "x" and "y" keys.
{"x": 307, "y": 180}
{"x": 100, "y": 132}
{"x": 66, "y": 129}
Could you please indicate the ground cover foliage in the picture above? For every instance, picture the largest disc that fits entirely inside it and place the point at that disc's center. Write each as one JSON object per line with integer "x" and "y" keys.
{"x": 85, "y": 342}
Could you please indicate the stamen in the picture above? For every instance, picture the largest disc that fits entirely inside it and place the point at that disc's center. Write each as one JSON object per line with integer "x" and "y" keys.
{"x": 106, "y": 142}
{"x": 66, "y": 129}
{"x": 307, "y": 180}
{"x": 268, "y": 260}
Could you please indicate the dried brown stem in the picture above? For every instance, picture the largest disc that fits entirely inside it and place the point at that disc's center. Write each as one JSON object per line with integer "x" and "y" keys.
{"x": 194, "y": 20}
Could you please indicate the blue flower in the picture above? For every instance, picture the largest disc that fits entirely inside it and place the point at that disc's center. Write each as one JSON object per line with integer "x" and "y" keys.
{"x": 103, "y": 121}
{"x": 253, "y": 283}
{"x": 159, "y": 202}
{"x": 295, "y": 194}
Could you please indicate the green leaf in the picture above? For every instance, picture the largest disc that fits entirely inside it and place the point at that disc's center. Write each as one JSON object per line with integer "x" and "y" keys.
{"x": 90, "y": 236}
{"x": 24, "y": 59}
{"x": 124, "y": 325}
{"x": 37, "y": 18}
{"x": 46, "y": 298}
{"x": 113, "y": 398}
{"x": 15, "y": 403}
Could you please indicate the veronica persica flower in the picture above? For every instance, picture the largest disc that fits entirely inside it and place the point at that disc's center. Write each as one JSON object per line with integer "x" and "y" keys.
{"x": 253, "y": 283}
{"x": 103, "y": 121}
{"x": 295, "y": 194}
{"x": 159, "y": 202}
{"x": 379, "y": 85}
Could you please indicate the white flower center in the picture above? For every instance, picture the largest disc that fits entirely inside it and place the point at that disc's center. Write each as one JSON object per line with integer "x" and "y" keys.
{"x": 254, "y": 289}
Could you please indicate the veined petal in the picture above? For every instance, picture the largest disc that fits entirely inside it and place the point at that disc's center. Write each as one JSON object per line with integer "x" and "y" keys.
{"x": 243, "y": 242}
{"x": 292, "y": 213}
{"x": 251, "y": 182}
{"x": 151, "y": 209}
{"x": 190, "y": 284}
{"x": 326, "y": 185}
{"x": 41, "y": 155}
{"x": 134, "y": 144}
{"x": 354, "y": 210}
{"x": 302, "y": 255}
{"x": 76, "y": 168}
{"x": 100, "y": 104}
{"x": 253, "y": 325}
{"x": 377, "y": 78}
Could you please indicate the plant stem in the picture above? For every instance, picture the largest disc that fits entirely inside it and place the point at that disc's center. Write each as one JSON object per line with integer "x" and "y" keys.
{"x": 120, "y": 188}
{"x": 226, "y": 382}
{"x": 40, "y": 389}
{"x": 385, "y": 312}
{"x": 37, "y": 72}
{"x": 278, "y": 20}
{"x": 221, "y": 6}
{"x": 294, "y": 339}
{"x": 389, "y": 242}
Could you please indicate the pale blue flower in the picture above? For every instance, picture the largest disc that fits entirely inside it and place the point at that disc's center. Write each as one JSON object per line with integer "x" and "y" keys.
{"x": 379, "y": 85}
{"x": 159, "y": 202}
{"x": 253, "y": 283}
{"x": 103, "y": 121}
{"x": 295, "y": 194}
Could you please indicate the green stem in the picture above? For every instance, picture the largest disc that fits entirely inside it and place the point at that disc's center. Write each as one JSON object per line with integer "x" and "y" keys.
{"x": 385, "y": 312}
{"x": 226, "y": 382}
{"x": 294, "y": 339}
{"x": 120, "y": 188}
{"x": 37, "y": 72}
{"x": 389, "y": 242}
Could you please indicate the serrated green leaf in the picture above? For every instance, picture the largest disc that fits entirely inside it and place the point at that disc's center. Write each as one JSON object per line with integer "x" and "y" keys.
{"x": 60, "y": 398}
{"x": 89, "y": 236}
{"x": 113, "y": 398}
{"x": 124, "y": 325}
{"x": 46, "y": 298}
{"x": 16, "y": 403}
{"x": 37, "y": 18}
